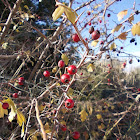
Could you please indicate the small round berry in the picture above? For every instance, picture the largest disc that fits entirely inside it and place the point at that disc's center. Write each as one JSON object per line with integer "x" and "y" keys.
{"x": 76, "y": 135}
{"x": 86, "y": 39}
{"x": 65, "y": 78}
{"x": 100, "y": 21}
{"x": 61, "y": 64}
{"x": 102, "y": 42}
{"x": 121, "y": 47}
{"x": 138, "y": 89}
{"x": 46, "y": 73}
{"x": 20, "y": 83}
{"x": 108, "y": 15}
{"x": 88, "y": 12}
{"x": 21, "y": 79}
{"x": 15, "y": 95}
{"x": 69, "y": 103}
{"x": 109, "y": 80}
{"x": 89, "y": 23}
{"x": 63, "y": 128}
{"x": 5, "y": 105}
{"x": 95, "y": 35}
{"x": 72, "y": 69}
{"x": 81, "y": 73}
{"x": 75, "y": 38}
{"x": 108, "y": 65}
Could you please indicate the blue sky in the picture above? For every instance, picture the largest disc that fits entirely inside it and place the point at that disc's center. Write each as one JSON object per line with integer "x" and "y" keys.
{"x": 112, "y": 21}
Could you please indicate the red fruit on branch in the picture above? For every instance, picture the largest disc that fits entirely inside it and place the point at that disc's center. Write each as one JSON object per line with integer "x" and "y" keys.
{"x": 109, "y": 80}
{"x": 75, "y": 38}
{"x": 91, "y": 30}
{"x": 46, "y": 73}
{"x": 69, "y": 103}
{"x": 108, "y": 15}
{"x": 76, "y": 135}
{"x": 65, "y": 78}
{"x": 63, "y": 128}
{"x": 72, "y": 69}
{"x": 15, "y": 95}
{"x": 95, "y": 35}
{"x": 89, "y": 23}
{"x": 21, "y": 79}
{"x": 5, "y": 105}
{"x": 61, "y": 64}
{"x": 88, "y": 12}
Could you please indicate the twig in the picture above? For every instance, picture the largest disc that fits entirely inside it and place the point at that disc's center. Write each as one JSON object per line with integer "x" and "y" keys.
{"x": 39, "y": 121}
{"x": 8, "y": 22}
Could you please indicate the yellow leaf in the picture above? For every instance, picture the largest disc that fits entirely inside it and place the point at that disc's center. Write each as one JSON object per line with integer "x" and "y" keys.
{"x": 131, "y": 18}
{"x": 102, "y": 126}
{"x": 22, "y": 130}
{"x": 136, "y": 29}
{"x": 89, "y": 108}
{"x": 94, "y": 43}
{"x": 54, "y": 70}
{"x": 90, "y": 68}
{"x": 58, "y": 84}
{"x": 41, "y": 107}
{"x": 95, "y": 133}
{"x": 65, "y": 58}
{"x": 13, "y": 112}
{"x": 113, "y": 45}
{"x": 58, "y": 12}
{"x": 63, "y": 123}
{"x": 71, "y": 15}
{"x": 25, "y": 6}
{"x": 0, "y": 29}
{"x": 20, "y": 118}
{"x": 116, "y": 29}
{"x": 122, "y": 36}
{"x": 121, "y": 14}
{"x": 99, "y": 116}
{"x": 47, "y": 128}
{"x": 84, "y": 115}
{"x": 70, "y": 91}
{"x": 98, "y": 5}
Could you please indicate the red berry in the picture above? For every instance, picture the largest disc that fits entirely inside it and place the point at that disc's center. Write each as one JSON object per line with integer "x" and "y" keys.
{"x": 86, "y": 39}
{"x": 89, "y": 23}
{"x": 110, "y": 68}
{"x": 20, "y": 83}
{"x": 15, "y": 95}
{"x": 108, "y": 71}
{"x": 124, "y": 64}
{"x": 69, "y": 103}
{"x": 63, "y": 128}
{"x": 5, "y": 105}
{"x": 121, "y": 47}
{"x": 72, "y": 69}
{"x": 88, "y": 13}
{"x": 75, "y": 38}
{"x": 95, "y": 35}
{"x": 100, "y": 21}
{"x": 76, "y": 135}
{"x": 21, "y": 79}
{"x": 91, "y": 30}
{"x": 108, "y": 84}
{"x": 102, "y": 42}
{"x": 65, "y": 78}
{"x": 46, "y": 73}
{"x": 108, "y": 15}
{"x": 138, "y": 89}
{"x": 61, "y": 64}
{"x": 108, "y": 65}
{"x": 81, "y": 73}
{"x": 109, "y": 80}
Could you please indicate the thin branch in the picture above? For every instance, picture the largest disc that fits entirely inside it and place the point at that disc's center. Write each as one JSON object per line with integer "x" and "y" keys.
{"x": 39, "y": 121}
{"x": 8, "y": 22}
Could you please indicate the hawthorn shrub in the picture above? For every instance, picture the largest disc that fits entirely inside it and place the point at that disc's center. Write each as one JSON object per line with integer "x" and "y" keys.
{"x": 65, "y": 82}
